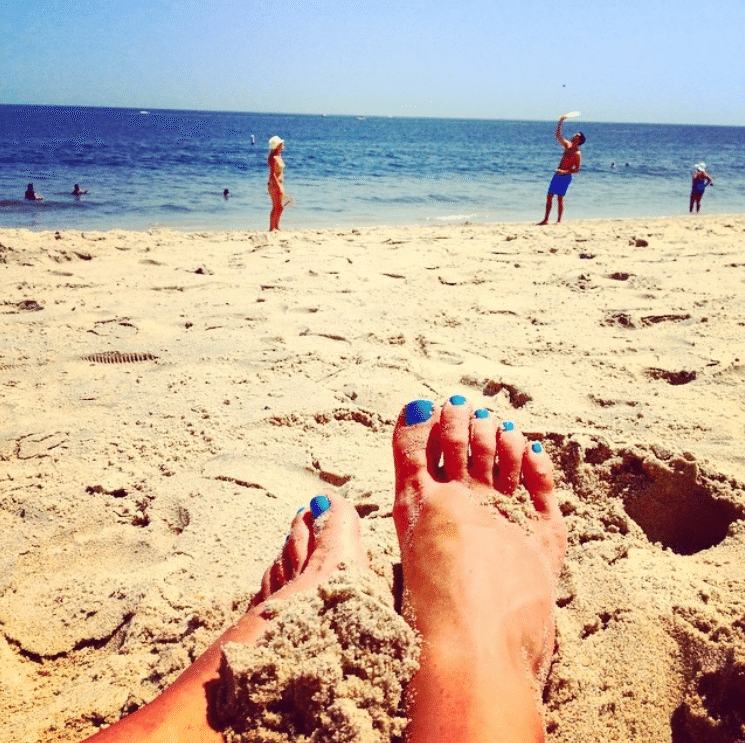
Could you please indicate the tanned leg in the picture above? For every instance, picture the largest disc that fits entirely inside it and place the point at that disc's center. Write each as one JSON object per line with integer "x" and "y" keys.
{"x": 549, "y": 204}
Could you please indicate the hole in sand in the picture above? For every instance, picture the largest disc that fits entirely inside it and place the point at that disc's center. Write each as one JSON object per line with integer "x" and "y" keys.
{"x": 682, "y": 515}
{"x": 717, "y": 712}
{"x": 676, "y": 501}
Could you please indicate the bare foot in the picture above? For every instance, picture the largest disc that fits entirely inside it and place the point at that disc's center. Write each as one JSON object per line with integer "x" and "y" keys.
{"x": 478, "y": 587}
{"x": 321, "y": 538}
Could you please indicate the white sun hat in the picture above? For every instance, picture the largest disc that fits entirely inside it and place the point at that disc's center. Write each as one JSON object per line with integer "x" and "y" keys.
{"x": 275, "y": 142}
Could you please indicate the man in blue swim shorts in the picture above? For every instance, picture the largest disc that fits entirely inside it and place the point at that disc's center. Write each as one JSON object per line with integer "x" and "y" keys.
{"x": 571, "y": 162}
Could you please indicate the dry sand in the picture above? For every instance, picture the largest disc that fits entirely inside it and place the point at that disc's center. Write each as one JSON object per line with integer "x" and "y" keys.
{"x": 170, "y": 400}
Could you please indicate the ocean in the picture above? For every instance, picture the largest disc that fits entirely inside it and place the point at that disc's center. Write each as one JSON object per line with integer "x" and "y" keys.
{"x": 157, "y": 168}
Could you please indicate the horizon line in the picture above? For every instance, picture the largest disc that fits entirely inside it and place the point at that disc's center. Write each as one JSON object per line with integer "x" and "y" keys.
{"x": 356, "y": 115}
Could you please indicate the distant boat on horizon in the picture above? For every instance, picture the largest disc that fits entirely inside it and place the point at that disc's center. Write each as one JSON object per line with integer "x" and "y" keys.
{"x": 145, "y": 113}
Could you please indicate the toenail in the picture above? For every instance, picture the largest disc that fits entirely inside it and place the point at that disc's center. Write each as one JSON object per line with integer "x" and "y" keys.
{"x": 536, "y": 447}
{"x": 419, "y": 411}
{"x": 481, "y": 413}
{"x": 318, "y": 505}
{"x": 287, "y": 539}
{"x": 508, "y": 426}
{"x": 300, "y": 510}
{"x": 457, "y": 400}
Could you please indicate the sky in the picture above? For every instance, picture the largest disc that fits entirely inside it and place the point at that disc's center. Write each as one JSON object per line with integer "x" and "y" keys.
{"x": 655, "y": 61}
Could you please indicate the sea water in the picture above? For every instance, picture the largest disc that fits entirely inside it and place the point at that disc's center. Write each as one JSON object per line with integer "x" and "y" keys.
{"x": 157, "y": 168}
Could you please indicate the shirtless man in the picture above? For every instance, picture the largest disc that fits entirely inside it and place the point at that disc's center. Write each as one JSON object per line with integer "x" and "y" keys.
{"x": 570, "y": 163}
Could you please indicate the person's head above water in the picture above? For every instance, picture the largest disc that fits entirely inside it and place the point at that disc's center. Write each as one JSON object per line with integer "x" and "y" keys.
{"x": 580, "y": 139}
{"x": 275, "y": 142}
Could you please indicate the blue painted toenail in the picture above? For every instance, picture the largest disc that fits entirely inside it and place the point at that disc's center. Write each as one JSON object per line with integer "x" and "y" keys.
{"x": 457, "y": 400}
{"x": 508, "y": 426}
{"x": 536, "y": 447}
{"x": 318, "y": 505}
{"x": 481, "y": 413}
{"x": 287, "y": 539}
{"x": 419, "y": 411}
{"x": 300, "y": 510}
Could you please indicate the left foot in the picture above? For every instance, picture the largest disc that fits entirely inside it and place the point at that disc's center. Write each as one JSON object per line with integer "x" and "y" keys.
{"x": 314, "y": 549}
{"x": 322, "y": 537}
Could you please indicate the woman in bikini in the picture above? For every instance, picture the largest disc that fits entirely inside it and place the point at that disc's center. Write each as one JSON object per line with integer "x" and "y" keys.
{"x": 276, "y": 190}
{"x": 701, "y": 179}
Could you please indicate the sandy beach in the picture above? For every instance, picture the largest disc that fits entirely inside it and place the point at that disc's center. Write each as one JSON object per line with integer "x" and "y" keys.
{"x": 169, "y": 400}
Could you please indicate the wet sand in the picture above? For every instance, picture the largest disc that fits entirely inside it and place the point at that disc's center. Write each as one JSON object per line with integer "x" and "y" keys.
{"x": 169, "y": 400}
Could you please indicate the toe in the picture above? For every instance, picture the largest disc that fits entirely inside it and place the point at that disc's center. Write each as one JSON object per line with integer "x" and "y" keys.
{"x": 510, "y": 448}
{"x": 483, "y": 447}
{"x": 335, "y": 534}
{"x": 271, "y": 581}
{"x": 416, "y": 452}
{"x": 416, "y": 439}
{"x": 455, "y": 424}
{"x": 277, "y": 575}
{"x": 538, "y": 478}
{"x": 297, "y": 547}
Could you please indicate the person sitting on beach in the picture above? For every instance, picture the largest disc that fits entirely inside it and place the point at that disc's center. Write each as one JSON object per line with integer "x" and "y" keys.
{"x": 31, "y": 195}
{"x": 701, "y": 179}
{"x": 276, "y": 178}
{"x": 77, "y": 191}
{"x": 571, "y": 162}
{"x": 477, "y": 587}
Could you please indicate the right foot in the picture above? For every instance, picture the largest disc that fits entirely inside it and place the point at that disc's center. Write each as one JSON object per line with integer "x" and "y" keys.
{"x": 477, "y": 586}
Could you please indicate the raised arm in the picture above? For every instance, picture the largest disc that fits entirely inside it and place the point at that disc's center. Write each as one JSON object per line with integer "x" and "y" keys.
{"x": 564, "y": 142}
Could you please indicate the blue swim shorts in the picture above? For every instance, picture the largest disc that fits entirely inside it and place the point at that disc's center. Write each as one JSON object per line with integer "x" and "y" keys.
{"x": 559, "y": 184}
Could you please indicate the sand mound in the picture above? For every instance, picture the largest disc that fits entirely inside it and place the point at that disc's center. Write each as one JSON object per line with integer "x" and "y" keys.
{"x": 331, "y": 667}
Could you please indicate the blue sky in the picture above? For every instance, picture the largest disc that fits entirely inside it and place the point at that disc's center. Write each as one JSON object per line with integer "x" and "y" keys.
{"x": 663, "y": 61}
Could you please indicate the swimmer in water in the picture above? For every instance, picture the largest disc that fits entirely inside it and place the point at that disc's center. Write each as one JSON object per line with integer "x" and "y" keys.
{"x": 31, "y": 195}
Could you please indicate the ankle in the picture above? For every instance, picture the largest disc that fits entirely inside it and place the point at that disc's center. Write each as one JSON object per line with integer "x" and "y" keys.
{"x": 469, "y": 695}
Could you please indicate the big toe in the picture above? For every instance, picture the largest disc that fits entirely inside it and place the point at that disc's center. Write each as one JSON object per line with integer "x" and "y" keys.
{"x": 334, "y": 534}
{"x": 416, "y": 454}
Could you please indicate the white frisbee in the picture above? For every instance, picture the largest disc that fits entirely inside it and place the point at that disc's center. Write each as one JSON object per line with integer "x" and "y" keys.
{"x": 572, "y": 114}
